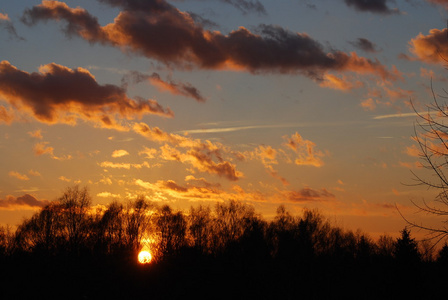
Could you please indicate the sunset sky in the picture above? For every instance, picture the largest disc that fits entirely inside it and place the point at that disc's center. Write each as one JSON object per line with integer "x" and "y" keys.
{"x": 302, "y": 103}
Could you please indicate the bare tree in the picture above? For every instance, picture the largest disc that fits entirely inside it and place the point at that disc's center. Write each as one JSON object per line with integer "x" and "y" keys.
{"x": 75, "y": 204}
{"x": 431, "y": 135}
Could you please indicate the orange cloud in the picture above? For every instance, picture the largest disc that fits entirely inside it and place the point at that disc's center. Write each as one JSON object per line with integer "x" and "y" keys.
{"x": 108, "y": 195}
{"x": 413, "y": 151}
{"x": 36, "y": 134}
{"x": 343, "y": 83}
{"x": 58, "y": 94}
{"x": 443, "y": 3}
{"x": 148, "y": 152}
{"x": 63, "y": 178}
{"x": 175, "y": 39}
{"x": 4, "y": 17}
{"x": 34, "y": 173}
{"x": 23, "y": 202}
{"x": 18, "y": 175}
{"x": 119, "y": 153}
{"x": 7, "y": 116}
{"x": 203, "y": 156}
{"x": 307, "y": 194}
{"x": 305, "y": 151}
{"x": 108, "y": 164}
{"x": 42, "y": 148}
{"x": 175, "y": 88}
{"x": 368, "y": 104}
{"x": 431, "y": 48}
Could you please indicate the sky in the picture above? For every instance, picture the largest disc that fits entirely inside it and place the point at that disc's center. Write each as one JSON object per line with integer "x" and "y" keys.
{"x": 305, "y": 104}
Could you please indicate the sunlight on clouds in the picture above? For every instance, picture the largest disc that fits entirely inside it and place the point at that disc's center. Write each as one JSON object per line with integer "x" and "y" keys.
{"x": 63, "y": 178}
{"x": 18, "y": 175}
{"x": 119, "y": 153}
{"x": 108, "y": 195}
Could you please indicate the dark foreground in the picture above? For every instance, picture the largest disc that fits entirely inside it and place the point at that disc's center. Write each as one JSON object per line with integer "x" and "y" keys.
{"x": 198, "y": 277}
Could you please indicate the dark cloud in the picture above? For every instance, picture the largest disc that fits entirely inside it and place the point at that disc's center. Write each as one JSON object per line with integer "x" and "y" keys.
{"x": 443, "y": 3}
{"x": 373, "y": 6}
{"x": 177, "y": 88}
{"x": 7, "y": 25}
{"x": 246, "y": 6}
{"x": 25, "y": 201}
{"x": 364, "y": 45}
{"x": 159, "y": 31}
{"x": 206, "y": 23}
{"x": 307, "y": 194}
{"x": 58, "y": 94}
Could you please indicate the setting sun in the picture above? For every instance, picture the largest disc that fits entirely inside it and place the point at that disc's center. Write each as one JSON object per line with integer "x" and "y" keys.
{"x": 144, "y": 257}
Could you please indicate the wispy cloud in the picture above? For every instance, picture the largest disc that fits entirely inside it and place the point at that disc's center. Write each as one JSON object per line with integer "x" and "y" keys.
{"x": 176, "y": 88}
{"x": 403, "y": 115}
{"x": 18, "y": 175}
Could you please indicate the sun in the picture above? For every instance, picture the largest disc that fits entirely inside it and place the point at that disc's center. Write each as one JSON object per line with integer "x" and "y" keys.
{"x": 144, "y": 257}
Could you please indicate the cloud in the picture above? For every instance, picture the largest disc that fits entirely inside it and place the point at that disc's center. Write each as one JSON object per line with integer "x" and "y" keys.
{"x": 34, "y": 173}
{"x": 23, "y": 202}
{"x": 119, "y": 153}
{"x": 4, "y": 17}
{"x": 193, "y": 190}
{"x": 108, "y": 195}
{"x": 431, "y": 48}
{"x": 307, "y": 194}
{"x": 365, "y": 45}
{"x": 5, "y": 23}
{"x": 108, "y": 164}
{"x": 58, "y": 94}
{"x": 246, "y": 6}
{"x": 443, "y": 3}
{"x": 305, "y": 151}
{"x": 203, "y": 156}
{"x": 18, "y": 175}
{"x": 176, "y": 88}
{"x": 42, "y": 148}
{"x": 36, "y": 134}
{"x": 425, "y": 73}
{"x": 7, "y": 116}
{"x": 413, "y": 151}
{"x": 368, "y": 104}
{"x": 148, "y": 152}
{"x": 63, "y": 178}
{"x": 158, "y": 30}
{"x": 343, "y": 83}
{"x": 373, "y": 6}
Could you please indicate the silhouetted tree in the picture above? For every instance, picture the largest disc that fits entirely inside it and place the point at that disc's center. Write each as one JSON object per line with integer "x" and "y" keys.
{"x": 431, "y": 135}
{"x": 44, "y": 231}
{"x": 137, "y": 220}
{"x": 442, "y": 257}
{"x": 6, "y": 240}
{"x": 110, "y": 229}
{"x": 282, "y": 234}
{"x": 173, "y": 228}
{"x": 200, "y": 227}
{"x": 75, "y": 205}
{"x": 385, "y": 246}
{"x": 406, "y": 249}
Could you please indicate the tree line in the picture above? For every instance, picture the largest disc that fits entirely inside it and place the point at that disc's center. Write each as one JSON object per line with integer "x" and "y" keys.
{"x": 72, "y": 225}
{"x": 207, "y": 246}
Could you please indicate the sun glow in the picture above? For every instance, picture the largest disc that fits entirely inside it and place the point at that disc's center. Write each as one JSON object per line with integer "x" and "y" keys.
{"x": 144, "y": 257}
